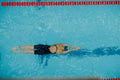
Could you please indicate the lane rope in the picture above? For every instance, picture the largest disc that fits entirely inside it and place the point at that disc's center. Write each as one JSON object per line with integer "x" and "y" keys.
{"x": 71, "y": 3}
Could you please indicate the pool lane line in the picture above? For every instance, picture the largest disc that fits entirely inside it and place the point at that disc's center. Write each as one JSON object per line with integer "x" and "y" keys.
{"x": 66, "y": 3}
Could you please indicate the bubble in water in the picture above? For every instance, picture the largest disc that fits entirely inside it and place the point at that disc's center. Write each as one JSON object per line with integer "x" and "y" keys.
{"x": 39, "y": 28}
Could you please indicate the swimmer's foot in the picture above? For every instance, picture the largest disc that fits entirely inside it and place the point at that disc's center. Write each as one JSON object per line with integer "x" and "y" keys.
{"x": 15, "y": 49}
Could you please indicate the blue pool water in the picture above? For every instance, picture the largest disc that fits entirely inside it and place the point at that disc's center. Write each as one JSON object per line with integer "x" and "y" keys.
{"x": 94, "y": 28}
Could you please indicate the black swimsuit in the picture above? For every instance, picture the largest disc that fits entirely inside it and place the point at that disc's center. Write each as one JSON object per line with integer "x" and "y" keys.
{"x": 41, "y": 49}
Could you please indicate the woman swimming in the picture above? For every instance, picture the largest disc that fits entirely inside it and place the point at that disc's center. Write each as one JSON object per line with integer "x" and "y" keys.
{"x": 41, "y": 49}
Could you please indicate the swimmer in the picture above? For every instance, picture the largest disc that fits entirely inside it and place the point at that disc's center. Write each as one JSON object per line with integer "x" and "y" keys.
{"x": 41, "y": 49}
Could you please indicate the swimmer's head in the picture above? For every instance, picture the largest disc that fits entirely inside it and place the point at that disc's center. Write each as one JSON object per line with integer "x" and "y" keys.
{"x": 66, "y": 48}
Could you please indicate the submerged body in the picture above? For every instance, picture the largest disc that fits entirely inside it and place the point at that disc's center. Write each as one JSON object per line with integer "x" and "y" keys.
{"x": 41, "y": 49}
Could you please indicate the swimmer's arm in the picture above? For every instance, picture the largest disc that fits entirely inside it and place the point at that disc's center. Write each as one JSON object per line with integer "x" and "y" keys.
{"x": 71, "y": 50}
{"x": 73, "y": 47}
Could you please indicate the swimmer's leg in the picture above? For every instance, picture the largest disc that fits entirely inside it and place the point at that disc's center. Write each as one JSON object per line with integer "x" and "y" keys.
{"x": 23, "y": 51}
{"x": 26, "y": 47}
{"x": 23, "y": 47}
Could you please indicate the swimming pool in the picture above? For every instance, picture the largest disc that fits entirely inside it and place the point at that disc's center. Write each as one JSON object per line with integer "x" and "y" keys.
{"x": 95, "y": 28}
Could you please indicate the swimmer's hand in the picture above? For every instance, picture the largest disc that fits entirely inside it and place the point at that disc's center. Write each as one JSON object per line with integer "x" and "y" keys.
{"x": 76, "y": 48}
